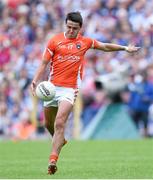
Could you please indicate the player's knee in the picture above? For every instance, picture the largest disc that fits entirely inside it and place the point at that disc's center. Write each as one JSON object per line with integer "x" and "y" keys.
{"x": 59, "y": 125}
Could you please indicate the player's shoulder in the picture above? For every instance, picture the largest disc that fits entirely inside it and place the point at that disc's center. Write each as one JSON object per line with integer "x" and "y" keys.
{"x": 85, "y": 38}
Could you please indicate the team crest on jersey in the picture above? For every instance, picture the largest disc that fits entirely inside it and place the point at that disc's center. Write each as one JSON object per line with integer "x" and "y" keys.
{"x": 78, "y": 46}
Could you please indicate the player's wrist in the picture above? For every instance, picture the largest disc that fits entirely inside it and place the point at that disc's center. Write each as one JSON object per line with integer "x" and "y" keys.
{"x": 126, "y": 48}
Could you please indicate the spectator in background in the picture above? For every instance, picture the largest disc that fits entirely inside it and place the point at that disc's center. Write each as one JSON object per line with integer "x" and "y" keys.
{"x": 141, "y": 98}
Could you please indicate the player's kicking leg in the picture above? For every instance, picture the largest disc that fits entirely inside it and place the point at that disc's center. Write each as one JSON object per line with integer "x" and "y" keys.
{"x": 63, "y": 112}
{"x": 50, "y": 115}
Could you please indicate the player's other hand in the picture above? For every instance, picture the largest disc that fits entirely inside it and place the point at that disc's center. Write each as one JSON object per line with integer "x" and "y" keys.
{"x": 131, "y": 48}
{"x": 33, "y": 88}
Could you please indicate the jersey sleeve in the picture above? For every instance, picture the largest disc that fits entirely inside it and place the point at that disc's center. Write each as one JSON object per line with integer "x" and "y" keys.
{"x": 49, "y": 50}
{"x": 95, "y": 44}
{"x": 92, "y": 43}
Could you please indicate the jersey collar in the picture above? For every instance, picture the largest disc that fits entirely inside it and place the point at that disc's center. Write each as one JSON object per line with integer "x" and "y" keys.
{"x": 71, "y": 38}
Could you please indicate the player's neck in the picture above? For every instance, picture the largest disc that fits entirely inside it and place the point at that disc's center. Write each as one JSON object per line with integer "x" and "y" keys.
{"x": 67, "y": 37}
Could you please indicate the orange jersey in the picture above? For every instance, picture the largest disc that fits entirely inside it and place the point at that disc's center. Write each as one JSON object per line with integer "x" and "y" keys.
{"x": 66, "y": 56}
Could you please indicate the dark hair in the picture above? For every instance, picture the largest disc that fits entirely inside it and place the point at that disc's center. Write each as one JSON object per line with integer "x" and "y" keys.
{"x": 74, "y": 16}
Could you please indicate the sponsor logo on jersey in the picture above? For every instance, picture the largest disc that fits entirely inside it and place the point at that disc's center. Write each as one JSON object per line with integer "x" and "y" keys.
{"x": 68, "y": 58}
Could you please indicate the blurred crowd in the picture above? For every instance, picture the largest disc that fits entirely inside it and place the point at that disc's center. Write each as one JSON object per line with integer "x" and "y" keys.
{"x": 26, "y": 26}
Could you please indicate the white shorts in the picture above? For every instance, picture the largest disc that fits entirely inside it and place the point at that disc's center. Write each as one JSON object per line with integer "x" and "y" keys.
{"x": 62, "y": 93}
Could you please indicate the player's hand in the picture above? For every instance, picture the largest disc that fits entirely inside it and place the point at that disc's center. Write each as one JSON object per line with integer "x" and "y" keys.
{"x": 33, "y": 88}
{"x": 132, "y": 48}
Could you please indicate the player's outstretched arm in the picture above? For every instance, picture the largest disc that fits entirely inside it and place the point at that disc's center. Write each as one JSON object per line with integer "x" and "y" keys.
{"x": 108, "y": 47}
{"x": 39, "y": 73}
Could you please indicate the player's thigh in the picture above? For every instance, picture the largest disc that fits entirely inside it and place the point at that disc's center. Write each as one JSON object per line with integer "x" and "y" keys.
{"x": 64, "y": 109}
{"x": 50, "y": 114}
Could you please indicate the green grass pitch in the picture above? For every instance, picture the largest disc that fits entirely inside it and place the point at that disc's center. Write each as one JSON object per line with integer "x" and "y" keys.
{"x": 78, "y": 160}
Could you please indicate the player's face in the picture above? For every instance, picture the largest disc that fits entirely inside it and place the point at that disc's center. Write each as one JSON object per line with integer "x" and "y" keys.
{"x": 72, "y": 29}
